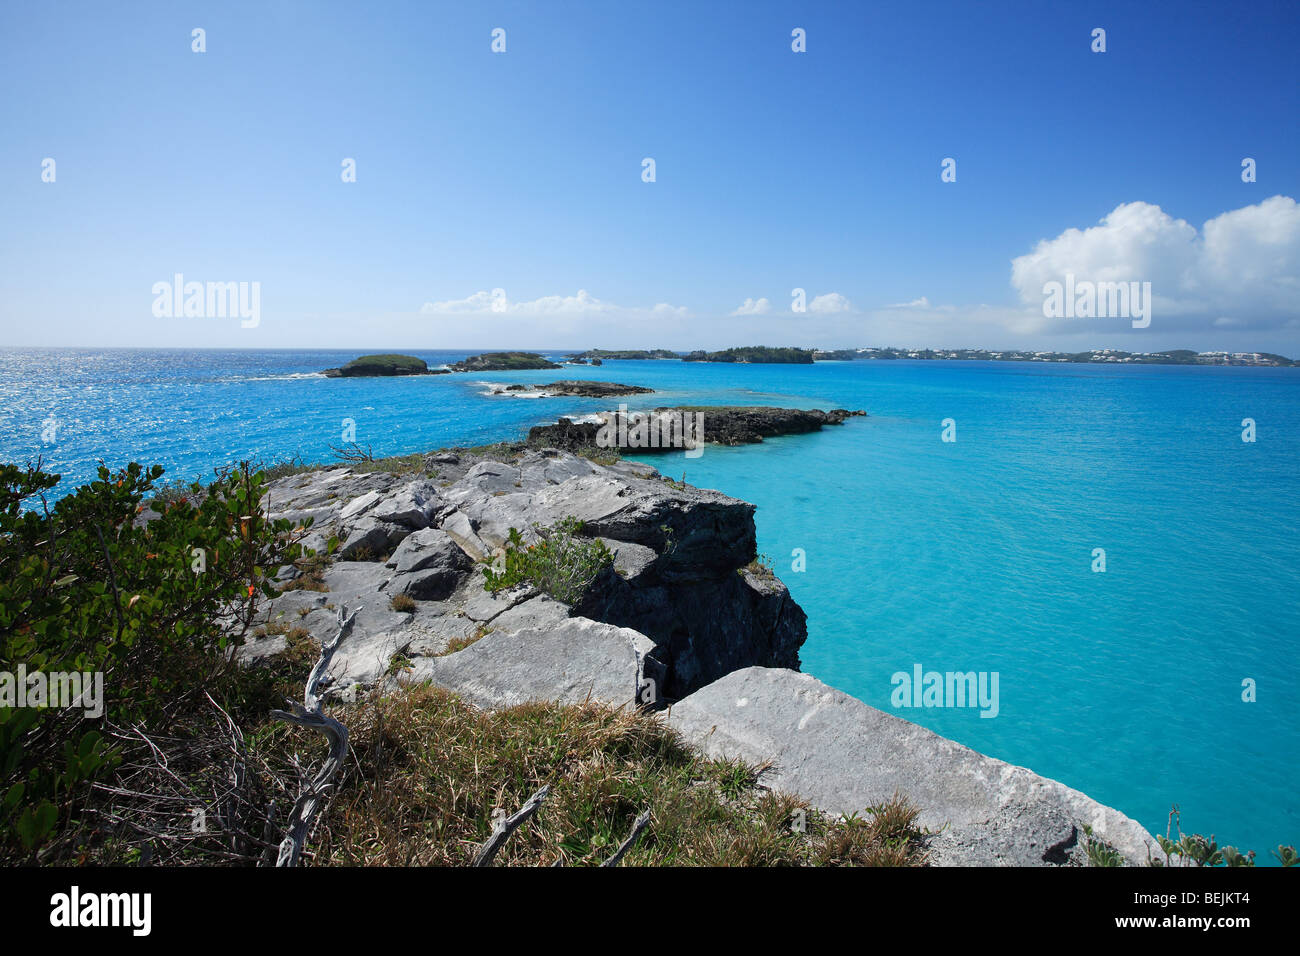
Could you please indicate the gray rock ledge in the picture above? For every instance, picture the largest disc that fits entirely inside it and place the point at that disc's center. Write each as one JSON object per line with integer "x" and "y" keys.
{"x": 843, "y": 756}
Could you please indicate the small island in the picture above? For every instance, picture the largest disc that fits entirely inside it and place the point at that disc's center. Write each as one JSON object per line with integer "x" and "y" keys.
{"x": 503, "y": 362}
{"x": 754, "y": 354}
{"x": 370, "y": 366}
{"x": 598, "y": 355}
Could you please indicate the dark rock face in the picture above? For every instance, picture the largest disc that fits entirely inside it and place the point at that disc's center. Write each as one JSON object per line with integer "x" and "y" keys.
{"x": 722, "y": 425}
{"x": 707, "y": 626}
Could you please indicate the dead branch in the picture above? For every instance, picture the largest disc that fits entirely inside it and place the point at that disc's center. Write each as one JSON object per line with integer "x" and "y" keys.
{"x": 640, "y": 824}
{"x": 505, "y": 827}
{"x": 353, "y": 453}
{"x": 310, "y": 714}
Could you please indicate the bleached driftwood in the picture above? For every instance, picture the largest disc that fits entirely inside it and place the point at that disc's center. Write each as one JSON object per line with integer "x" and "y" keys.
{"x": 640, "y": 824}
{"x": 310, "y": 714}
{"x": 508, "y": 825}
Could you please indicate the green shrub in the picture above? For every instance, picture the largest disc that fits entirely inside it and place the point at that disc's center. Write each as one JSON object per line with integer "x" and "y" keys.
{"x": 1193, "y": 849}
{"x": 562, "y": 565}
{"x": 147, "y": 596}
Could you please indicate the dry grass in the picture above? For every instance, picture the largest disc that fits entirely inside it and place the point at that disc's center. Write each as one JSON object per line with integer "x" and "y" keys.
{"x": 460, "y": 643}
{"x": 402, "y": 603}
{"x": 429, "y": 771}
{"x": 311, "y": 573}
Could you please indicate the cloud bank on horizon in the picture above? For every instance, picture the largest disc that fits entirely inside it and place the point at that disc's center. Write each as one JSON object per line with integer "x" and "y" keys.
{"x": 1240, "y": 270}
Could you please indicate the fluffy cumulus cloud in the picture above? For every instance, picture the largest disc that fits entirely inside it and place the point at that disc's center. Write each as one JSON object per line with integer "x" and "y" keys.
{"x": 754, "y": 307}
{"x": 1240, "y": 270}
{"x": 830, "y": 302}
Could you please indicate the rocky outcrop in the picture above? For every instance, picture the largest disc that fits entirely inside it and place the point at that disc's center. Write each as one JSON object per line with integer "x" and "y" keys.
{"x": 678, "y": 579}
{"x": 567, "y": 659}
{"x": 720, "y": 424}
{"x": 843, "y": 756}
{"x": 572, "y": 388}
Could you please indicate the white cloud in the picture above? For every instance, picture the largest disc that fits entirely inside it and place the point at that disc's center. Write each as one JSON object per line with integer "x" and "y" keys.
{"x": 921, "y": 303}
{"x": 1242, "y": 269}
{"x": 830, "y": 302}
{"x": 478, "y": 302}
{"x": 582, "y": 304}
{"x": 754, "y": 307}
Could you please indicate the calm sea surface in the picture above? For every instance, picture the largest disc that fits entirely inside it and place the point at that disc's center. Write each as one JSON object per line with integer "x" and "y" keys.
{"x": 974, "y": 555}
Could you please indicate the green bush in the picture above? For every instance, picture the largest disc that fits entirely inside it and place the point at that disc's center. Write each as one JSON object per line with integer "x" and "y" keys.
{"x": 562, "y": 565}
{"x": 147, "y": 595}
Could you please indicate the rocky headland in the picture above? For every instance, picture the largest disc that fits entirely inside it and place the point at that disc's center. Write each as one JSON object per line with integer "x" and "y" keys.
{"x": 681, "y": 620}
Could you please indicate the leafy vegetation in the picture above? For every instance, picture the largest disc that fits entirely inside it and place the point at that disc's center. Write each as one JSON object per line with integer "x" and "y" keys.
{"x": 754, "y": 354}
{"x": 761, "y": 567}
{"x": 389, "y": 363}
{"x": 625, "y": 354}
{"x": 562, "y": 565}
{"x": 503, "y": 362}
{"x": 149, "y": 597}
{"x": 390, "y": 359}
{"x": 1193, "y": 849}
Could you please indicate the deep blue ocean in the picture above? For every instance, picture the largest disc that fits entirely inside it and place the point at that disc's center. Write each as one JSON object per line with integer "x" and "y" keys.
{"x": 974, "y": 555}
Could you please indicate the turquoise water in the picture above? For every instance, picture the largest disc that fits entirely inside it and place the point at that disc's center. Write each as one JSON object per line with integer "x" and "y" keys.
{"x": 974, "y": 555}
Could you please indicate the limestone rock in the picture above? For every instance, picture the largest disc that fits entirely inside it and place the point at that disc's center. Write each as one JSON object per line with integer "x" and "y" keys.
{"x": 569, "y": 662}
{"x": 843, "y": 756}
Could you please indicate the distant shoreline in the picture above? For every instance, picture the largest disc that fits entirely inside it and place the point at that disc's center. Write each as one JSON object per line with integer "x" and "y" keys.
{"x": 1186, "y": 357}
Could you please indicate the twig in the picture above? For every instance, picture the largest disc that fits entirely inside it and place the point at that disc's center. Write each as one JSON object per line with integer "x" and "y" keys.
{"x": 504, "y": 828}
{"x": 353, "y": 455}
{"x": 641, "y": 822}
{"x": 112, "y": 582}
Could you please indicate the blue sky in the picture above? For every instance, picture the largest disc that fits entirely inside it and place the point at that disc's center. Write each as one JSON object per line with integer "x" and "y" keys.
{"x": 522, "y": 171}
